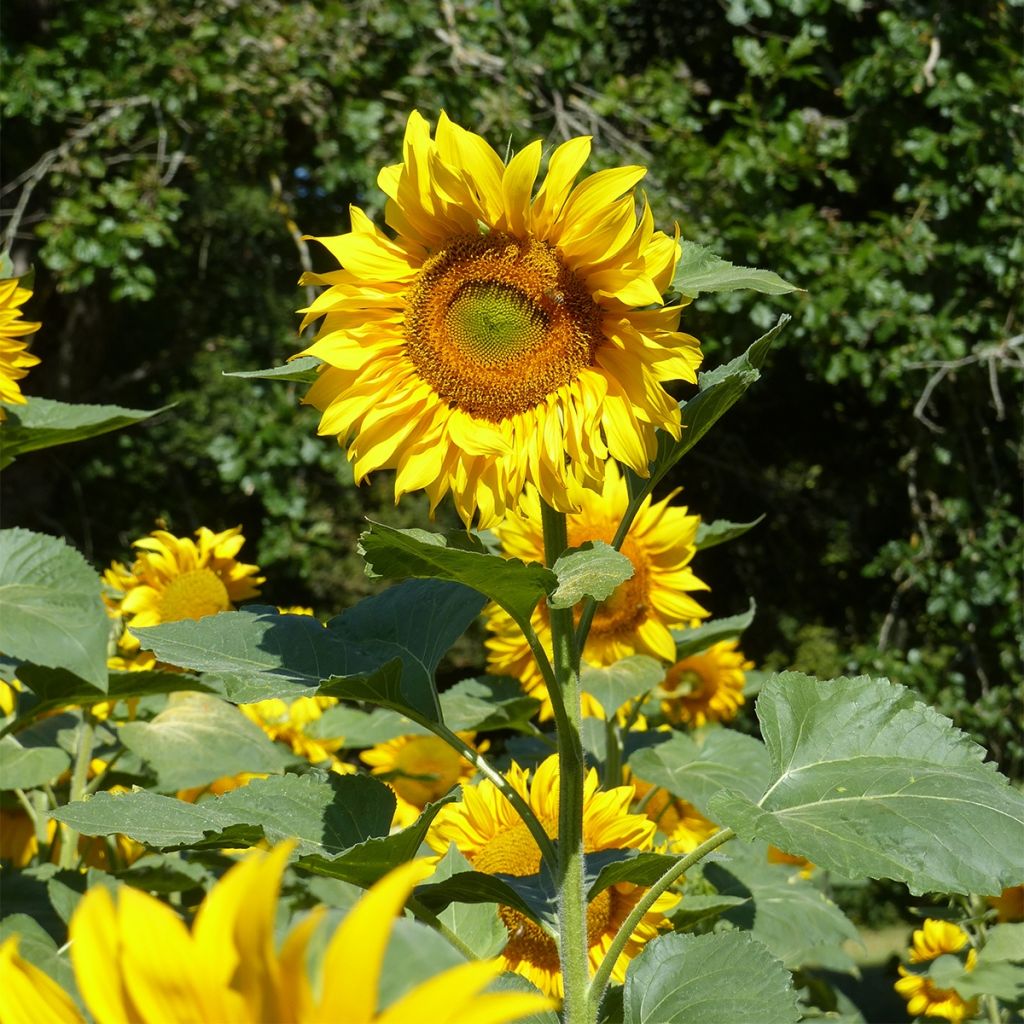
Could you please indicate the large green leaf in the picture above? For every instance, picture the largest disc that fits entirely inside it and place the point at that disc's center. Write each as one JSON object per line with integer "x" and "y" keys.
{"x": 43, "y": 423}
{"x": 621, "y": 681}
{"x": 198, "y": 738}
{"x": 398, "y": 554}
{"x": 697, "y": 767}
{"x": 50, "y": 608}
{"x": 792, "y": 917}
{"x": 594, "y": 570}
{"x": 361, "y": 729}
{"x": 25, "y": 767}
{"x": 713, "y": 979}
{"x": 866, "y": 780}
{"x": 700, "y": 638}
{"x": 700, "y": 270}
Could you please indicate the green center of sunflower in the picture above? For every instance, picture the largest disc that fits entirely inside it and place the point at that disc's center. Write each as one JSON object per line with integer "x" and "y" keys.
{"x": 492, "y": 323}
{"x": 193, "y": 595}
{"x": 496, "y": 324}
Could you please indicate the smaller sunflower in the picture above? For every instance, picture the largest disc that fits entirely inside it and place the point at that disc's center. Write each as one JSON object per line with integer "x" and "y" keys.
{"x": 641, "y": 612}
{"x": 177, "y": 578}
{"x": 683, "y": 826}
{"x": 706, "y": 687}
{"x": 289, "y": 721}
{"x": 924, "y": 997}
{"x": 1009, "y": 904}
{"x": 15, "y": 359}
{"x": 777, "y": 856}
{"x": 495, "y": 840}
{"x": 419, "y": 769}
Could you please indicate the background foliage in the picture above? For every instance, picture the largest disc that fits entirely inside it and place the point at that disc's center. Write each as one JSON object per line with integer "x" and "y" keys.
{"x": 161, "y": 167}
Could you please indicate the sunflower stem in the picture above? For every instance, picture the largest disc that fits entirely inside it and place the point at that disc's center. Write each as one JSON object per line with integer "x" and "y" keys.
{"x": 636, "y": 915}
{"x": 485, "y": 768}
{"x": 566, "y": 701}
{"x": 79, "y": 778}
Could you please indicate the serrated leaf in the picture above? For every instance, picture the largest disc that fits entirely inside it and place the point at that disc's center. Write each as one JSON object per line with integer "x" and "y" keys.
{"x": 697, "y": 908}
{"x": 200, "y": 738}
{"x": 714, "y": 979}
{"x": 615, "y": 866}
{"x": 475, "y": 887}
{"x": 869, "y": 781}
{"x": 792, "y": 917}
{"x": 302, "y": 370}
{"x": 50, "y": 608}
{"x": 326, "y": 816}
{"x": 594, "y": 570}
{"x": 26, "y": 767}
{"x": 707, "y": 634}
{"x": 721, "y": 531}
{"x": 399, "y": 554}
{"x": 621, "y": 681}
{"x": 720, "y": 390}
{"x": 478, "y": 925}
{"x": 148, "y": 818}
{"x": 43, "y": 423}
{"x": 486, "y": 703}
{"x": 697, "y": 767}
{"x": 700, "y": 270}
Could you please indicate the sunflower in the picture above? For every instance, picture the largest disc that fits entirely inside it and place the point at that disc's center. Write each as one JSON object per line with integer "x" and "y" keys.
{"x": 15, "y": 359}
{"x": 638, "y": 616}
{"x": 777, "y": 856}
{"x": 924, "y": 997}
{"x": 683, "y": 826}
{"x": 419, "y": 769}
{"x": 134, "y": 959}
{"x": 500, "y": 337}
{"x": 179, "y": 578}
{"x": 1009, "y": 904}
{"x": 706, "y": 687}
{"x": 491, "y": 835}
{"x": 289, "y": 721}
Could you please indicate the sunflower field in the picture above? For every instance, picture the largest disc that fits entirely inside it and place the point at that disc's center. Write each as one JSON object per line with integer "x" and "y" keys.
{"x": 600, "y": 603}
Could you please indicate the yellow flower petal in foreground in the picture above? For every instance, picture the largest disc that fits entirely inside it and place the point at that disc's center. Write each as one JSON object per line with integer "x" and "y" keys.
{"x": 501, "y": 336}
{"x": 136, "y": 961}
{"x": 419, "y": 769}
{"x": 179, "y": 578}
{"x": 489, "y": 833}
{"x": 638, "y": 616}
{"x": 706, "y": 687}
{"x": 924, "y": 997}
{"x": 15, "y": 359}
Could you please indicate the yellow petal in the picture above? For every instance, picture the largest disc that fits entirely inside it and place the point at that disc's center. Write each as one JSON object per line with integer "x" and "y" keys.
{"x": 96, "y": 956}
{"x": 565, "y": 163}
{"x": 517, "y": 189}
{"x": 30, "y": 996}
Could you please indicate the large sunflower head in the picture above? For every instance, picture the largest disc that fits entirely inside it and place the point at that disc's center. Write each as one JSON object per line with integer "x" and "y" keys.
{"x": 179, "y": 578}
{"x": 419, "y": 769}
{"x": 15, "y": 358}
{"x": 638, "y": 616}
{"x": 495, "y": 840}
{"x": 706, "y": 687}
{"x": 501, "y": 335}
{"x": 924, "y": 997}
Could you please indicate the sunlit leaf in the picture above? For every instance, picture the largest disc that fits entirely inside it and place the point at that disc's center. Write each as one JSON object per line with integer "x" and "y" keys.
{"x": 594, "y": 570}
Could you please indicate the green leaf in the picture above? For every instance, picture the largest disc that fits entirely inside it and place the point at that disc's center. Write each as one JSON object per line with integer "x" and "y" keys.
{"x": 1003, "y": 979}
{"x": 719, "y": 390}
{"x": 362, "y": 729}
{"x": 198, "y": 738}
{"x": 476, "y": 887}
{"x": 302, "y": 370}
{"x": 714, "y": 979}
{"x": 869, "y": 781}
{"x": 1004, "y": 942}
{"x": 398, "y": 554}
{"x": 367, "y": 861}
{"x": 697, "y": 767}
{"x": 148, "y": 818}
{"x": 721, "y": 531}
{"x": 486, "y": 703}
{"x": 615, "y": 866}
{"x": 792, "y": 917}
{"x": 594, "y": 570}
{"x": 43, "y": 423}
{"x": 478, "y": 925}
{"x": 707, "y": 634}
{"x": 698, "y": 908}
{"x": 700, "y": 270}
{"x": 327, "y": 816}
{"x": 50, "y": 608}
{"x": 621, "y": 681}
{"x": 26, "y": 767}
{"x": 415, "y": 953}
{"x": 165, "y": 873}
